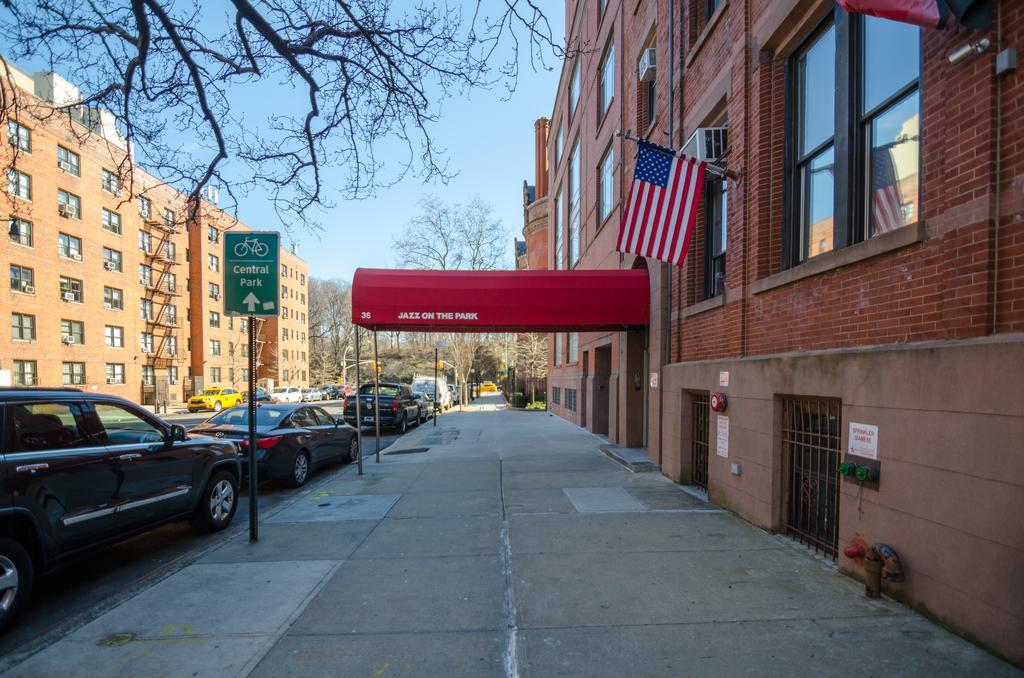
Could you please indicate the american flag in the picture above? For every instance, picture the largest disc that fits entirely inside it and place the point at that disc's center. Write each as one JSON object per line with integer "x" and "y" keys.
{"x": 886, "y": 200}
{"x": 662, "y": 207}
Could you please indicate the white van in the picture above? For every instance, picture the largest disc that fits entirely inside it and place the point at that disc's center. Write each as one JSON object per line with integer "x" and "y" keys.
{"x": 286, "y": 394}
{"x": 426, "y": 385}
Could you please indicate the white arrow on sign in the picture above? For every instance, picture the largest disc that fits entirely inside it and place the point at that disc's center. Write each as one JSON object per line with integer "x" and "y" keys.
{"x": 251, "y": 301}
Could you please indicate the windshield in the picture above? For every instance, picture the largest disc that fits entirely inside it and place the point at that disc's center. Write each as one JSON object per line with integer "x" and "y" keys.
{"x": 212, "y": 391}
{"x": 239, "y": 416}
{"x": 385, "y": 390}
{"x": 280, "y": 389}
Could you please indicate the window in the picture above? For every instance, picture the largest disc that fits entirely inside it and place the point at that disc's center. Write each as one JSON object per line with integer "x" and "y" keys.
{"x": 169, "y": 219}
{"x": 231, "y": 323}
{"x": 146, "y": 342}
{"x": 24, "y": 372}
{"x": 124, "y": 427}
{"x": 145, "y": 207}
{"x": 215, "y": 374}
{"x": 570, "y": 399}
{"x": 20, "y": 231}
{"x": 856, "y": 152}
{"x": 559, "y": 347}
{"x": 302, "y": 278}
{"x": 172, "y": 375}
{"x": 284, "y": 313}
{"x": 284, "y": 354}
{"x": 606, "y": 83}
{"x": 145, "y": 242}
{"x": 171, "y": 344}
{"x": 22, "y": 279}
{"x": 558, "y": 147}
{"x": 69, "y": 246}
{"x": 556, "y": 395}
{"x": 214, "y": 291}
{"x": 73, "y": 374}
{"x": 71, "y": 289}
{"x": 710, "y": 6}
{"x": 284, "y": 291}
{"x": 148, "y": 375}
{"x": 23, "y": 327}
{"x": 111, "y": 221}
{"x": 574, "y": 347}
{"x": 244, "y": 325}
{"x": 211, "y": 234}
{"x": 113, "y": 298}
{"x": 574, "y": 89}
{"x": 170, "y": 251}
{"x": 559, "y": 235}
{"x": 214, "y": 347}
{"x": 284, "y": 333}
{"x": 172, "y": 314}
{"x": 716, "y": 236}
{"x": 111, "y": 259}
{"x": 574, "y": 206}
{"x": 302, "y": 298}
{"x": 113, "y": 337}
{"x": 42, "y": 427}
{"x": 606, "y": 185}
{"x": 69, "y": 204}
{"x": 146, "y": 309}
{"x": 214, "y": 262}
{"x": 115, "y": 375}
{"x": 73, "y": 329}
{"x": 69, "y": 161}
{"x": 19, "y": 136}
{"x": 172, "y": 282}
{"x": 146, "y": 275}
{"x": 214, "y": 319}
{"x": 110, "y": 182}
{"x": 19, "y": 184}
{"x": 284, "y": 271}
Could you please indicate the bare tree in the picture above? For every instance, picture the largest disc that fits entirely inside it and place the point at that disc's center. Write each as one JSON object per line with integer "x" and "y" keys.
{"x": 532, "y": 359}
{"x": 343, "y": 78}
{"x": 331, "y": 335}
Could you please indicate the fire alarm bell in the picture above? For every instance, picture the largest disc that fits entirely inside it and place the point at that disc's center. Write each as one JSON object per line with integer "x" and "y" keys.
{"x": 718, "y": 401}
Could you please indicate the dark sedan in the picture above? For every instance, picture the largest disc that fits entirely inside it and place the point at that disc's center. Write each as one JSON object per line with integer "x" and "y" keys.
{"x": 292, "y": 439}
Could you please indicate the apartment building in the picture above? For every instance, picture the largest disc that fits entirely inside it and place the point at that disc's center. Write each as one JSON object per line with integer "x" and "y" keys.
{"x": 110, "y": 278}
{"x": 855, "y": 291}
{"x": 286, "y": 360}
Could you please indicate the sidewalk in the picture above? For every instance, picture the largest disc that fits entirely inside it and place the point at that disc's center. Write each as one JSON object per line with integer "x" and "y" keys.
{"x": 510, "y": 546}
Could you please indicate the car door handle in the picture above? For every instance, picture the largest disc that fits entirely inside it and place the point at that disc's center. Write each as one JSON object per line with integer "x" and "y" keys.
{"x": 32, "y": 468}
{"x": 130, "y": 456}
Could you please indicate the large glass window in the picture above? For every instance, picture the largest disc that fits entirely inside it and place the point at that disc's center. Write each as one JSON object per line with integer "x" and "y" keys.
{"x": 606, "y": 185}
{"x": 716, "y": 236}
{"x": 574, "y": 347}
{"x": 574, "y": 205}
{"x": 559, "y": 235}
{"x": 856, "y": 150}
{"x": 574, "y": 88}
{"x": 558, "y": 146}
{"x": 41, "y": 427}
{"x": 559, "y": 347}
{"x": 606, "y": 84}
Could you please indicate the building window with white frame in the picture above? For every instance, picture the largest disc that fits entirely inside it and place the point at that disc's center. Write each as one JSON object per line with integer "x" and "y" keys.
{"x": 574, "y": 239}
{"x": 606, "y": 80}
{"x": 148, "y": 375}
{"x": 110, "y": 182}
{"x": 559, "y": 347}
{"x": 574, "y": 347}
{"x": 71, "y": 289}
{"x": 72, "y": 373}
{"x": 23, "y": 279}
{"x": 72, "y": 331}
{"x": 113, "y": 336}
{"x": 606, "y": 185}
{"x": 113, "y": 298}
{"x": 69, "y": 205}
{"x": 69, "y": 161}
{"x": 145, "y": 207}
{"x": 111, "y": 221}
{"x": 19, "y": 136}
{"x": 112, "y": 259}
{"x": 24, "y": 372}
{"x": 559, "y": 234}
{"x": 19, "y": 184}
{"x": 214, "y": 263}
{"x": 146, "y": 342}
{"x": 69, "y": 246}
{"x": 574, "y": 88}
{"x": 214, "y": 347}
{"x": 115, "y": 373}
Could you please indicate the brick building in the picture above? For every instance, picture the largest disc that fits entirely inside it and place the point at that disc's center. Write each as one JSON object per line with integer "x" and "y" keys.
{"x": 113, "y": 287}
{"x": 865, "y": 269}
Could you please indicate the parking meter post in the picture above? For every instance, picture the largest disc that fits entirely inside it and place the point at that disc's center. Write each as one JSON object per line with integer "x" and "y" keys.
{"x": 254, "y": 527}
{"x": 376, "y": 396}
{"x": 359, "y": 411}
{"x": 436, "y": 396}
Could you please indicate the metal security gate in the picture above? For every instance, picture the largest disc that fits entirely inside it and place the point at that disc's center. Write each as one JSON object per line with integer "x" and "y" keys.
{"x": 699, "y": 447}
{"x": 810, "y": 447}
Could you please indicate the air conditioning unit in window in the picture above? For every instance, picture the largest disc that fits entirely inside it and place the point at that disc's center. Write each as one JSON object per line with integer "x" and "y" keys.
{"x": 109, "y": 265}
{"x": 215, "y": 297}
{"x": 68, "y": 339}
{"x": 107, "y": 305}
{"x": 67, "y": 296}
{"x": 76, "y": 256}
{"x": 28, "y": 289}
{"x": 707, "y": 144}
{"x": 646, "y": 66}
{"x": 116, "y": 191}
{"x": 64, "y": 210}
{"x": 64, "y": 165}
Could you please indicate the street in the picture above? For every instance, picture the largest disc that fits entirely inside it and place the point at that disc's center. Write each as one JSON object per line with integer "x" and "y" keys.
{"x": 500, "y": 543}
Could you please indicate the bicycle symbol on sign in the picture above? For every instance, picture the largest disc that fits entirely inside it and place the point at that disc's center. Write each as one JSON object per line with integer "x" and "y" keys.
{"x": 251, "y": 246}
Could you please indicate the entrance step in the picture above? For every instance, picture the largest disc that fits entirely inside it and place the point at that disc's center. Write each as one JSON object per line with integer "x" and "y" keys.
{"x": 633, "y": 458}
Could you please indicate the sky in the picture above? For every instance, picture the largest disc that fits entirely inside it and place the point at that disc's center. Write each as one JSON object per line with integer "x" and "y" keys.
{"x": 489, "y": 137}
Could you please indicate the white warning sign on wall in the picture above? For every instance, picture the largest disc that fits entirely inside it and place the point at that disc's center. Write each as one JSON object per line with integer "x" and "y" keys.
{"x": 863, "y": 440}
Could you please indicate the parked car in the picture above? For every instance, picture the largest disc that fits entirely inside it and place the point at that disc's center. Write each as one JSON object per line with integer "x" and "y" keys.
{"x": 398, "y": 408}
{"x": 293, "y": 440}
{"x": 286, "y": 394}
{"x": 215, "y": 399}
{"x": 426, "y": 404}
{"x": 330, "y": 391}
{"x": 81, "y": 470}
{"x": 310, "y": 395}
{"x": 262, "y": 395}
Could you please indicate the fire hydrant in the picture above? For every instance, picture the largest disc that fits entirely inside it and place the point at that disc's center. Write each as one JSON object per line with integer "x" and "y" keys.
{"x": 881, "y": 561}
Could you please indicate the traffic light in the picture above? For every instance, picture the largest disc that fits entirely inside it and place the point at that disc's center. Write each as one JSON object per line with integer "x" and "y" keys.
{"x": 440, "y": 365}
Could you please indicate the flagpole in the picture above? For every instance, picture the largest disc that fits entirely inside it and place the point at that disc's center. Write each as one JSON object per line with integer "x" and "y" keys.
{"x": 710, "y": 168}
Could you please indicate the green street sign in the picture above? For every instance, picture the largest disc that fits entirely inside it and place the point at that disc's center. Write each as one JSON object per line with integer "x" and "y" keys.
{"x": 251, "y": 273}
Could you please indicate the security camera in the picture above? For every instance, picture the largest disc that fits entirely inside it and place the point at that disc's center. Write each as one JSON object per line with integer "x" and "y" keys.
{"x": 958, "y": 55}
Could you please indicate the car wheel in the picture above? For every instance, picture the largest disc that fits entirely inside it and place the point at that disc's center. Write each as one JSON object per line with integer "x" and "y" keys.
{"x": 300, "y": 470}
{"x": 15, "y": 580}
{"x": 403, "y": 424}
{"x": 217, "y": 407}
{"x": 353, "y": 448}
{"x": 218, "y": 504}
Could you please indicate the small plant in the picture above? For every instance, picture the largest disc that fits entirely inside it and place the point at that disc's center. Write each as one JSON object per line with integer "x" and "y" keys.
{"x": 537, "y": 405}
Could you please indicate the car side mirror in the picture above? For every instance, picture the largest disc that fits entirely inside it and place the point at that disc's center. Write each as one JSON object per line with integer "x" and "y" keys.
{"x": 178, "y": 433}
{"x": 338, "y": 421}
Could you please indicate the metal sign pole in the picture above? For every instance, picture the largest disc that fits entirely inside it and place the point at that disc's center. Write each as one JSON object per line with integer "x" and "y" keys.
{"x": 376, "y": 396}
{"x": 254, "y": 527}
{"x": 435, "y": 387}
{"x": 359, "y": 410}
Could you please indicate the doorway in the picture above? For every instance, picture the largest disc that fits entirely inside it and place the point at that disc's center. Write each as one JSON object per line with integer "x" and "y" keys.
{"x": 584, "y": 386}
{"x": 599, "y": 388}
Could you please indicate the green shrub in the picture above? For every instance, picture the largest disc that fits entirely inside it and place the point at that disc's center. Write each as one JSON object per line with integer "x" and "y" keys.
{"x": 538, "y": 405}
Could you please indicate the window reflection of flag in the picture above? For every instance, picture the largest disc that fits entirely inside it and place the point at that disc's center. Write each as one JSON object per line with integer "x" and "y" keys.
{"x": 886, "y": 201}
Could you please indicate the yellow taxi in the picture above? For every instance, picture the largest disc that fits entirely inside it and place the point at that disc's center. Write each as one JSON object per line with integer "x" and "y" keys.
{"x": 488, "y": 387}
{"x": 215, "y": 399}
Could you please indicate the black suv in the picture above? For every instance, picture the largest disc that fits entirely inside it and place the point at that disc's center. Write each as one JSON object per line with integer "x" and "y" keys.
{"x": 79, "y": 470}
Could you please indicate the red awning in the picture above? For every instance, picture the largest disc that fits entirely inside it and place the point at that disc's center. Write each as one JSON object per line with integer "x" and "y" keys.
{"x": 499, "y": 301}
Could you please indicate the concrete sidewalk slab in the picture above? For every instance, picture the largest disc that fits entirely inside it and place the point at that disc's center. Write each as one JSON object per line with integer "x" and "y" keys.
{"x": 326, "y": 507}
{"x": 542, "y": 500}
{"x": 294, "y": 542}
{"x": 446, "y": 504}
{"x": 602, "y": 500}
{"x": 432, "y": 537}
